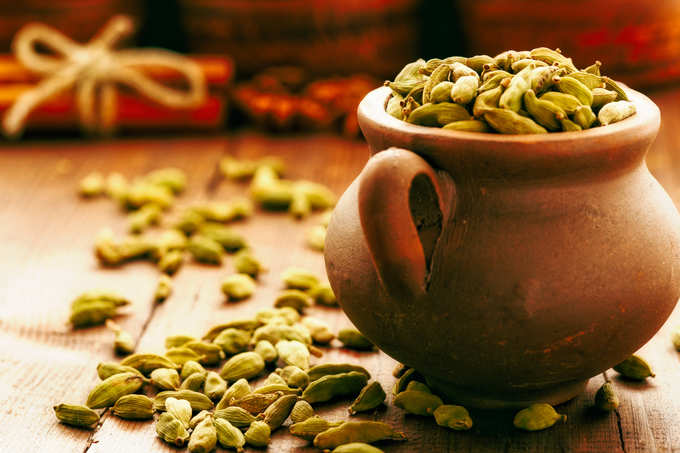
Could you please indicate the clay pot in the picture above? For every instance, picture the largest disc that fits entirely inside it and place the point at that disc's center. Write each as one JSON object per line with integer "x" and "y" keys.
{"x": 506, "y": 269}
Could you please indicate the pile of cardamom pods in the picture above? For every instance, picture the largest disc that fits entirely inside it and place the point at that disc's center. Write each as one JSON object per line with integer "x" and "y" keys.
{"x": 516, "y": 92}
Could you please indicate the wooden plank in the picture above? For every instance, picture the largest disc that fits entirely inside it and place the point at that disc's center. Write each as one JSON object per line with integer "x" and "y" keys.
{"x": 46, "y": 236}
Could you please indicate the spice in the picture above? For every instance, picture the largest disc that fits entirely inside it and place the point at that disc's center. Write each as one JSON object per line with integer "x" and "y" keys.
{"x": 171, "y": 430}
{"x": 107, "y": 392}
{"x": 258, "y": 434}
{"x": 76, "y": 415}
{"x": 238, "y": 286}
{"x": 228, "y": 435}
{"x": 123, "y": 343}
{"x": 537, "y": 417}
{"x": 362, "y": 431}
{"x": 454, "y": 417}
{"x": 353, "y": 339}
{"x": 332, "y": 386}
{"x": 134, "y": 407}
{"x": 417, "y": 402}
{"x": 244, "y": 365}
{"x": 163, "y": 289}
{"x": 370, "y": 397}
{"x": 606, "y": 398}
{"x": 635, "y": 367}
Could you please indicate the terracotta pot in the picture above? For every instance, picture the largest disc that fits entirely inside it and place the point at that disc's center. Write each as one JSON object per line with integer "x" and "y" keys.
{"x": 506, "y": 269}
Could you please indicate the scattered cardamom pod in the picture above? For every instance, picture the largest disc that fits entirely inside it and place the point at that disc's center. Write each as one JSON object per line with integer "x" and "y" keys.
{"x": 191, "y": 367}
{"x": 181, "y": 354}
{"x": 165, "y": 378}
{"x": 204, "y": 437}
{"x": 228, "y": 435}
{"x": 301, "y": 411}
{"x": 267, "y": 351}
{"x": 76, "y": 415}
{"x": 454, "y": 417}
{"x": 180, "y": 409}
{"x": 316, "y": 238}
{"x": 318, "y": 371}
{"x": 323, "y": 295}
{"x": 236, "y": 391}
{"x": 194, "y": 382}
{"x": 238, "y": 286}
{"x": 146, "y": 362}
{"x": 537, "y": 417}
{"x": 123, "y": 342}
{"x": 279, "y": 410}
{"x": 242, "y": 324}
{"x": 171, "y": 261}
{"x": 232, "y": 341}
{"x": 319, "y": 330}
{"x": 360, "y": 431}
{"x": 108, "y": 369}
{"x": 228, "y": 238}
{"x": 353, "y": 339}
{"x": 134, "y": 407}
{"x": 235, "y": 415}
{"x": 277, "y": 332}
{"x": 310, "y": 427}
{"x": 256, "y": 402}
{"x": 163, "y": 289}
{"x": 356, "y": 447}
{"x": 244, "y": 365}
{"x": 245, "y": 263}
{"x": 332, "y": 386}
{"x": 198, "y": 418}
{"x": 172, "y": 178}
{"x": 419, "y": 386}
{"x": 614, "y": 112}
{"x": 258, "y": 434}
{"x": 417, "y": 402}
{"x": 606, "y": 398}
{"x": 294, "y": 376}
{"x": 107, "y": 392}
{"x": 275, "y": 379}
{"x": 635, "y": 367}
{"x": 198, "y": 401}
{"x": 370, "y": 397}
{"x": 205, "y": 250}
{"x": 293, "y": 352}
{"x": 211, "y": 354}
{"x": 91, "y": 185}
{"x": 171, "y": 430}
{"x": 143, "y": 218}
{"x": 214, "y": 386}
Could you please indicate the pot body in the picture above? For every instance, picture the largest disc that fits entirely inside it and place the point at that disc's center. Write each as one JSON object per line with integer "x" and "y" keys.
{"x": 541, "y": 275}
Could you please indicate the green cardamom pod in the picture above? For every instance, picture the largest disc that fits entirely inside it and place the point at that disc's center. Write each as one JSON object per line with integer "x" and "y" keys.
{"x": 675, "y": 338}
{"x": 123, "y": 343}
{"x": 393, "y": 106}
{"x": 487, "y": 100}
{"x": 76, "y": 415}
{"x": 191, "y": 367}
{"x": 277, "y": 387}
{"x": 212, "y": 354}
{"x": 316, "y": 238}
{"x": 404, "y": 380}
{"x": 399, "y": 370}
{"x": 493, "y": 79}
{"x": 577, "y": 89}
{"x": 569, "y": 126}
{"x": 419, "y": 386}
{"x": 468, "y": 126}
{"x": 593, "y": 68}
{"x": 198, "y": 418}
{"x": 163, "y": 288}
{"x": 438, "y": 114}
{"x": 244, "y": 365}
{"x": 205, "y": 250}
{"x": 165, "y": 378}
{"x": 189, "y": 221}
{"x": 541, "y": 78}
{"x": 108, "y": 369}
{"x": 214, "y": 386}
{"x": 440, "y": 74}
{"x": 615, "y": 112}
{"x": 229, "y": 239}
{"x": 172, "y": 178}
{"x": 465, "y": 89}
{"x": 241, "y": 324}
{"x": 294, "y": 376}
{"x": 258, "y": 434}
{"x": 612, "y": 85}
{"x": 545, "y": 113}
{"x": 294, "y": 298}
{"x": 198, "y": 401}
{"x": 279, "y": 410}
{"x": 134, "y": 407}
{"x": 453, "y": 417}
{"x": 267, "y": 351}
{"x": 180, "y": 355}
{"x": 240, "y": 169}
{"x": 175, "y": 341}
{"x": 552, "y": 57}
{"x": 237, "y": 390}
{"x": 277, "y": 332}
{"x": 171, "y": 430}
{"x": 232, "y": 341}
{"x": 142, "y": 192}
{"x": 504, "y": 60}
{"x": 605, "y": 398}
{"x": 171, "y": 261}
{"x": 518, "y": 65}
{"x": 318, "y": 371}
{"x": 409, "y": 105}
{"x": 332, "y": 386}
{"x": 91, "y": 185}
{"x": 301, "y": 411}
{"x": 146, "y": 362}
{"x": 293, "y": 352}
{"x": 299, "y": 278}
{"x": 310, "y": 427}
{"x": 318, "y": 329}
{"x": 284, "y": 315}
{"x": 180, "y": 409}
{"x": 235, "y": 415}
{"x": 537, "y": 417}
{"x": 509, "y": 122}
{"x": 194, "y": 382}
{"x": 511, "y": 99}
{"x": 300, "y": 206}
{"x": 92, "y": 313}
{"x": 477, "y": 62}
{"x": 360, "y": 431}
{"x": 353, "y": 339}
{"x": 417, "y": 402}
{"x": 602, "y": 96}
{"x": 635, "y": 367}
{"x": 356, "y": 447}
{"x": 143, "y": 218}
{"x": 566, "y": 102}
{"x": 107, "y": 392}
{"x": 274, "y": 378}
{"x": 592, "y": 81}
{"x": 584, "y": 117}
{"x": 441, "y": 92}
{"x": 245, "y": 263}
{"x": 228, "y": 435}
{"x": 323, "y": 295}
{"x": 256, "y": 402}
{"x": 204, "y": 437}
{"x": 370, "y": 397}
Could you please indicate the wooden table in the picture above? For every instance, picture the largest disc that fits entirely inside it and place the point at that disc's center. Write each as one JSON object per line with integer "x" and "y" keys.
{"x": 46, "y": 235}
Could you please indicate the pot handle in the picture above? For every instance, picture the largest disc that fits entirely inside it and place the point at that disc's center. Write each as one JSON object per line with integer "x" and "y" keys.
{"x": 401, "y": 247}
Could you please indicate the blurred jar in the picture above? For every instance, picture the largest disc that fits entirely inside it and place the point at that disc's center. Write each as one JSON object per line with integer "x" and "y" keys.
{"x": 78, "y": 19}
{"x": 637, "y": 41}
{"x": 324, "y": 36}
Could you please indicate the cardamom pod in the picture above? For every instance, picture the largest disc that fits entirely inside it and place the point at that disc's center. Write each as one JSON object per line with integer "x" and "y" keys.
{"x": 454, "y": 417}
{"x": 356, "y": 447}
{"x": 409, "y": 105}
{"x": 171, "y": 261}
{"x": 214, "y": 386}
{"x": 258, "y": 434}
{"x": 171, "y": 430}
{"x": 242, "y": 324}
{"x": 194, "y": 382}
{"x": 123, "y": 342}
{"x": 235, "y": 415}
{"x": 468, "y": 126}
{"x": 353, "y": 339}
{"x": 212, "y": 354}
{"x": 198, "y": 401}
{"x": 493, "y": 80}
{"x": 577, "y": 89}
{"x": 275, "y": 195}
{"x": 92, "y": 313}
{"x": 143, "y": 218}
{"x": 518, "y": 65}
{"x": 319, "y": 196}
{"x": 417, "y": 402}
{"x": 294, "y": 376}
{"x": 256, "y": 402}
{"x": 301, "y": 411}
{"x": 180, "y": 355}
{"x": 165, "y": 378}
{"x": 635, "y": 367}
{"x": 300, "y": 206}
{"x": 116, "y": 187}
{"x": 441, "y": 92}
{"x": 511, "y": 99}
{"x": 107, "y": 392}
{"x": 509, "y": 122}
{"x": 310, "y": 427}
{"x": 537, "y": 417}
{"x": 477, "y": 62}
{"x": 393, "y": 106}
{"x": 332, "y": 386}
{"x": 294, "y": 298}
{"x": 284, "y": 315}
{"x": 108, "y": 369}
{"x": 615, "y": 112}
{"x": 584, "y": 117}
{"x": 267, "y": 351}
{"x": 134, "y": 407}
{"x": 569, "y": 126}
{"x": 541, "y": 78}
{"x": 174, "y": 341}
{"x": 323, "y": 295}
{"x": 205, "y": 250}
{"x": 552, "y": 57}
{"x": 487, "y": 100}
{"x": 325, "y": 369}
{"x": 91, "y": 185}
{"x": 566, "y": 102}
{"x": 440, "y": 74}
{"x": 236, "y": 391}
{"x": 404, "y": 380}
{"x": 225, "y": 211}
{"x": 198, "y": 418}
{"x": 204, "y": 437}
{"x": 316, "y": 238}
{"x": 189, "y": 221}
{"x": 276, "y": 387}
{"x": 76, "y": 415}
{"x": 299, "y": 278}
{"x": 417, "y": 385}
{"x": 191, "y": 367}
{"x": 399, "y": 370}
{"x": 545, "y": 113}
{"x": 592, "y": 81}
{"x": 465, "y": 89}
{"x": 245, "y": 263}
{"x": 279, "y": 410}
{"x": 142, "y": 192}
{"x": 606, "y": 398}
{"x": 172, "y": 178}
{"x": 360, "y": 431}
{"x": 370, "y": 397}
{"x": 593, "y": 68}
{"x": 180, "y": 409}
{"x": 232, "y": 341}
{"x": 239, "y": 169}
{"x": 163, "y": 289}
{"x": 438, "y": 114}
{"x": 229, "y": 239}
{"x": 293, "y": 352}
{"x": 244, "y": 365}
{"x": 602, "y": 96}
{"x": 319, "y": 330}
{"x": 612, "y": 85}
{"x": 274, "y": 378}
{"x": 277, "y": 332}
{"x": 228, "y": 435}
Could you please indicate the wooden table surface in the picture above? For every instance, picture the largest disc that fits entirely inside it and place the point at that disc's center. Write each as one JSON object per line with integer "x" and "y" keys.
{"x": 46, "y": 236}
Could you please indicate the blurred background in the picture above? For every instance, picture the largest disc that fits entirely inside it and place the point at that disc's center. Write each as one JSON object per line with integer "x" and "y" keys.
{"x": 303, "y": 65}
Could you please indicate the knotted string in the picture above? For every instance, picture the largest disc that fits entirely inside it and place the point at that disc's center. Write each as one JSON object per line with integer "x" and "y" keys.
{"x": 95, "y": 69}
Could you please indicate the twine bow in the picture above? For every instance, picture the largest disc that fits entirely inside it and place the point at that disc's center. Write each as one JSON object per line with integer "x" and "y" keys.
{"x": 94, "y": 69}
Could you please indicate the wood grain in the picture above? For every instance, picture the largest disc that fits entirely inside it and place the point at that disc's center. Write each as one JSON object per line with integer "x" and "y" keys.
{"x": 46, "y": 259}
